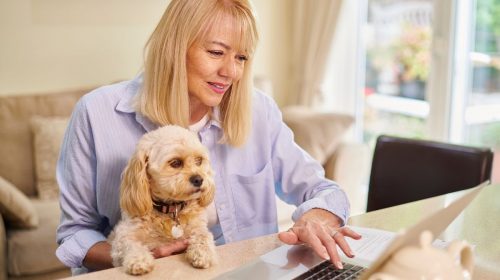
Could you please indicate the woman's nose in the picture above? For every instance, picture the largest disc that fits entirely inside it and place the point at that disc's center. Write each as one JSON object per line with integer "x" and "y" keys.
{"x": 229, "y": 69}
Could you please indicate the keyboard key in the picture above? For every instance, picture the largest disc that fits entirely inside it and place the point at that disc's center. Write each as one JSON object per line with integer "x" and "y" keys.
{"x": 326, "y": 270}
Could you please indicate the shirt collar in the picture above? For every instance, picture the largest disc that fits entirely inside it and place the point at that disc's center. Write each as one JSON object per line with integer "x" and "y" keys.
{"x": 215, "y": 119}
{"x": 129, "y": 99}
{"x": 127, "y": 102}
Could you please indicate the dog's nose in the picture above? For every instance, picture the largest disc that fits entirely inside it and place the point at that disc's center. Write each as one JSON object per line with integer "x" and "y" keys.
{"x": 196, "y": 180}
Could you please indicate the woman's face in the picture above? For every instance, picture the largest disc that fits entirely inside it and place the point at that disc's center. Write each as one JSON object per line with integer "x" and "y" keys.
{"x": 213, "y": 65}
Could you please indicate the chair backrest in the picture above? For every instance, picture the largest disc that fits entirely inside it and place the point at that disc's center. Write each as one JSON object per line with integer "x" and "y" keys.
{"x": 405, "y": 170}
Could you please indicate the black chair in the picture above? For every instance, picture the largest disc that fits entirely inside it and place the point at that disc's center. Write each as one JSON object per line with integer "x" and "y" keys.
{"x": 405, "y": 170}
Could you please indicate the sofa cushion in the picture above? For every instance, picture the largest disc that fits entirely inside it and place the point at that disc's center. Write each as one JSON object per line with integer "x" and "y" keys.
{"x": 318, "y": 133}
{"x": 48, "y": 133}
{"x": 33, "y": 251}
{"x": 16, "y": 148}
{"x": 17, "y": 209}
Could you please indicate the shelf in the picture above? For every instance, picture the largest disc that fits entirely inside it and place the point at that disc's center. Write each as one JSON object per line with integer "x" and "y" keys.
{"x": 483, "y": 108}
{"x": 400, "y": 105}
{"x": 474, "y": 114}
{"x": 480, "y": 114}
{"x": 485, "y": 59}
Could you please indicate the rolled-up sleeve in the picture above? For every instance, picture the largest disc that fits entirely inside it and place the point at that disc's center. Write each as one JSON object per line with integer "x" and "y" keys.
{"x": 72, "y": 251}
{"x": 334, "y": 201}
{"x": 81, "y": 225}
{"x": 300, "y": 179}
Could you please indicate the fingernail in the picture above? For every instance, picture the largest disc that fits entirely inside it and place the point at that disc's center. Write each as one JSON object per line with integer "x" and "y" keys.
{"x": 326, "y": 256}
{"x": 351, "y": 253}
{"x": 339, "y": 265}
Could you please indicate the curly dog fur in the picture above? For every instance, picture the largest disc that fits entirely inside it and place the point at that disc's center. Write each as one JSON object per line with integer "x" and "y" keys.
{"x": 170, "y": 165}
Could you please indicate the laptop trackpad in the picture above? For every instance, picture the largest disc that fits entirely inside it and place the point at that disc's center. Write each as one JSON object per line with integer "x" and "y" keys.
{"x": 284, "y": 262}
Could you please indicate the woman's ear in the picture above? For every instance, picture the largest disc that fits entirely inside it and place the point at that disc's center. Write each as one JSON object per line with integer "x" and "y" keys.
{"x": 135, "y": 196}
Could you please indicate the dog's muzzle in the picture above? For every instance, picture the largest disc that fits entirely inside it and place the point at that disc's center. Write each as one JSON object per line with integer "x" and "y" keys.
{"x": 196, "y": 180}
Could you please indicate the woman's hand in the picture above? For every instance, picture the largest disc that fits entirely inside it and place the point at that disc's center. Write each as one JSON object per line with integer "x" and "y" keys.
{"x": 99, "y": 256}
{"x": 173, "y": 248}
{"x": 321, "y": 230}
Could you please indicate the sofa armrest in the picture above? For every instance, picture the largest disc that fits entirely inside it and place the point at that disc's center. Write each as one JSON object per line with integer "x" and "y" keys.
{"x": 349, "y": 167}
{"x": 3, "y": 250}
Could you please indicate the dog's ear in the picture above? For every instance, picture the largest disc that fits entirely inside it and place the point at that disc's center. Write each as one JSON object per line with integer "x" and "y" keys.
{"x": 135, "y": 196}
{"x": 208, "y": 195}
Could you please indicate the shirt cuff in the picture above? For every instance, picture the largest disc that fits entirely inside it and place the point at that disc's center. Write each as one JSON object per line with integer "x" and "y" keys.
{"x": 333, "y": 200}
{"x": 74, "y": 249}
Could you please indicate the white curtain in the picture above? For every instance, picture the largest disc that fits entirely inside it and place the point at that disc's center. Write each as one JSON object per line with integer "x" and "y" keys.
{"x": 314, "y": 24}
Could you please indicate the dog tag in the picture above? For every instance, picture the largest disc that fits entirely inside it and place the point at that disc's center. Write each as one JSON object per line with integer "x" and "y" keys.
{"x": 177, "y": 231}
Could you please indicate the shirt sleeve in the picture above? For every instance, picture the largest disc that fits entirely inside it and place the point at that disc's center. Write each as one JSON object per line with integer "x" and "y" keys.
{"x": 300, "y": 179}
{"x": 81, "y": 225}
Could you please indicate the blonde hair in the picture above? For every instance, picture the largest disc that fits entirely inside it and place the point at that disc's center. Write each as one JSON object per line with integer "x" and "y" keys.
{"x": 164, "y": 98}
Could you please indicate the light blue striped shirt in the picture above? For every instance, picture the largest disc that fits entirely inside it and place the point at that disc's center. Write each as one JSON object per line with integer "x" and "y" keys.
{"x": 102, "y": 135}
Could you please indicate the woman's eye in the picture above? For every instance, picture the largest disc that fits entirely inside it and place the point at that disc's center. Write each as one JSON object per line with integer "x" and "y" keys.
{"x": 198, "y": 161}
{"x": 242, "y": 58}
{"x": 216, "y": 53}
{"x": 175, "y": 163}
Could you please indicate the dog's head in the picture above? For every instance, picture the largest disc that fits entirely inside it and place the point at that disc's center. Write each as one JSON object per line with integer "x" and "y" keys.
{"x": 169, "y": 164}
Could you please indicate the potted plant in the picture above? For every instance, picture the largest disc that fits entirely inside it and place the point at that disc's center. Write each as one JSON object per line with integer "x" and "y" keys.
{"x": 412, "y": 53}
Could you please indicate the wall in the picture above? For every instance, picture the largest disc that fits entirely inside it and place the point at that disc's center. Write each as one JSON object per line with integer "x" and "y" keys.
{"x": 58, "y": 44}
{"x": 340, "y": 83}
{"x": 274, "y": 50}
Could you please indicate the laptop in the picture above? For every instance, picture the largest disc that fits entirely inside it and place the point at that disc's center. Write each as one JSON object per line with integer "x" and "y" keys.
{"x": 300, "y": 261}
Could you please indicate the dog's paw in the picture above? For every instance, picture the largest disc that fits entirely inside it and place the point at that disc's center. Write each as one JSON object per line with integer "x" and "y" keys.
{"x": 139, "y": 264}
{"x": 201, "y": 255}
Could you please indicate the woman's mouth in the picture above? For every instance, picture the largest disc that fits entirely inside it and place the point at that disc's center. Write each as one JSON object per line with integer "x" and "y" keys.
{"x": 218, "y": 87}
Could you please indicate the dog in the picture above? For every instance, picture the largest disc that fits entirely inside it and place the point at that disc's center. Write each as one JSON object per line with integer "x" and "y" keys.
{"x": 166, "y": 186}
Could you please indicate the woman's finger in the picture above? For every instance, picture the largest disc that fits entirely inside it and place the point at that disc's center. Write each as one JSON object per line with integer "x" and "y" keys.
{"x": 340, "y": 238}
{"x": 308, "y": 235}
{"x": 169, "y": 249}
{"x": 342, "y": 243}
{"x": 288, "y": 237}
{"x": 323, "y": 239}
{"x": 326, "y": 235}
{"x": 346, "y": 231}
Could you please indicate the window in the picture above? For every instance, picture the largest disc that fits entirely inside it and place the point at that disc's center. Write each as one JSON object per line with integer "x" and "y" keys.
{"x": 425, "y": 69}
{"x": 397, "y": 37}
{"x": 482, "y": 109}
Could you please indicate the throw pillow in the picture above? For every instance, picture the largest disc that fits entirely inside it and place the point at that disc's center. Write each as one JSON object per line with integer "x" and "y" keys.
{"x": 318, "y": 133}
{"x": 48, "y": 133}
{"x": 15, "y": 206}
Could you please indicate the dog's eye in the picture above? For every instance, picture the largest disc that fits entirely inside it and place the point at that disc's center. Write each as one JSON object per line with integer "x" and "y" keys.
{"x": 198, "y": 160}
{"x": 175, "y": 163}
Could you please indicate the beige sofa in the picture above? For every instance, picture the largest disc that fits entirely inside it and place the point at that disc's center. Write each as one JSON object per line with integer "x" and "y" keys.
{"x": 27, "y": 229}
{"x": 28, "y": 150}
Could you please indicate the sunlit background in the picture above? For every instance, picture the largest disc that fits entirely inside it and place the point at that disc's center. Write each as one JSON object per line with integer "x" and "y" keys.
{"x": 417, "y": 68}
{"x": 343, "y": 72}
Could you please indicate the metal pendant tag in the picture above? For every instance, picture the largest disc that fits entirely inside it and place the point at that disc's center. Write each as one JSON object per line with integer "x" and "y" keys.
{"x": 177, "y": 231}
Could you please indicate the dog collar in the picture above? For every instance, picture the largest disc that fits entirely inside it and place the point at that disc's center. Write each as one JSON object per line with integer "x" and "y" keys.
{"x": 173, "y": 210}
{"x": 169, "y": 208}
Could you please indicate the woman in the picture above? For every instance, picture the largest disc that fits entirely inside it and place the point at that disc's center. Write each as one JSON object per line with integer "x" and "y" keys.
{"x": 197, "y": 75}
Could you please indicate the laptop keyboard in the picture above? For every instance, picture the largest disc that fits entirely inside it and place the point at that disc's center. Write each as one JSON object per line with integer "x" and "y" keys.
{"x": 326, "y": 270}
